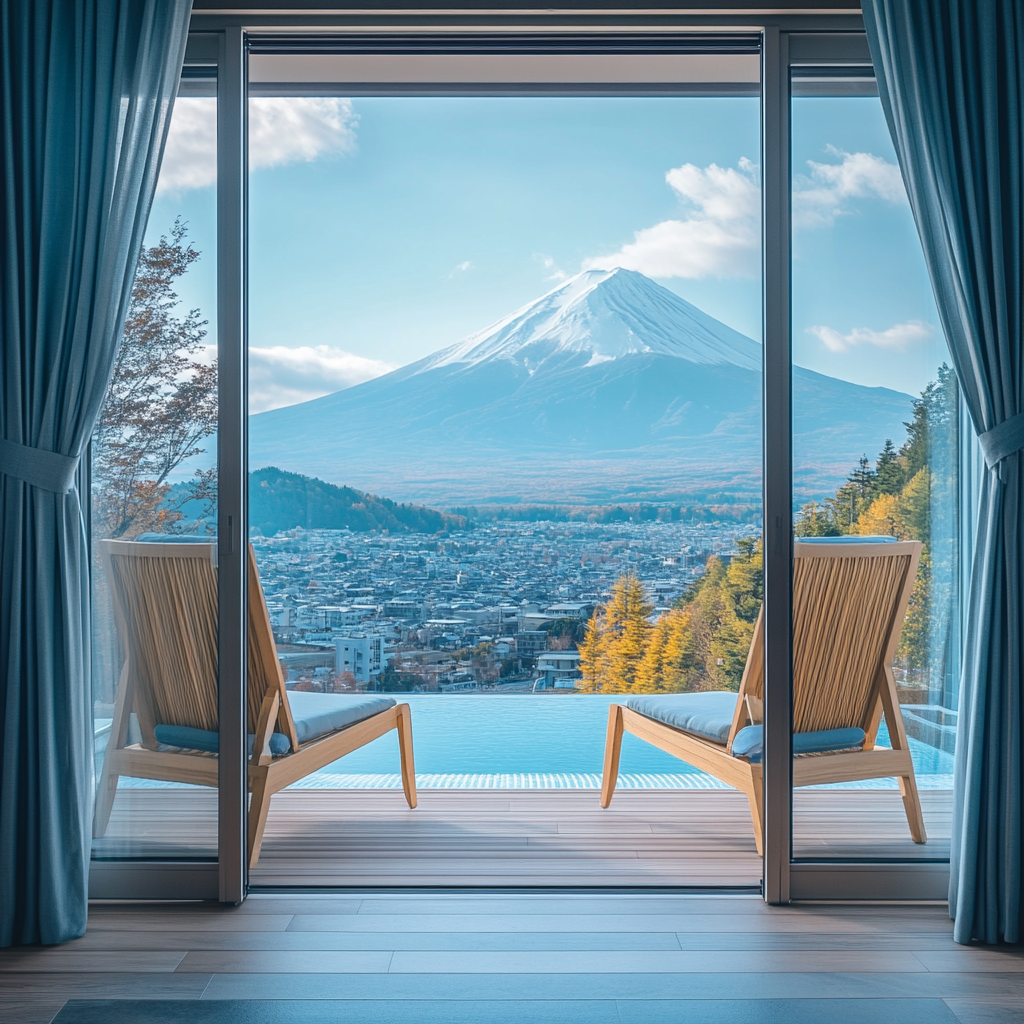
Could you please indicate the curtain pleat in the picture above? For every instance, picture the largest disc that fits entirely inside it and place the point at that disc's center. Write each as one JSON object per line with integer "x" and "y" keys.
{"x": 86, "y": 92}
{"x": 951, "y": 79}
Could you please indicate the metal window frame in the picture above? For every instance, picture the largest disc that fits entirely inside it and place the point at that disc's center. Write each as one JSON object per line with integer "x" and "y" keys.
{"x": 777, "y": 455}
{"x": 232, "y": 459}
{"x": 789, "y": 41}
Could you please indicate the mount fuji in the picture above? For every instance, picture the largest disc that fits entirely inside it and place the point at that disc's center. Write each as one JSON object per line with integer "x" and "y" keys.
{"x": 609, "y": 387}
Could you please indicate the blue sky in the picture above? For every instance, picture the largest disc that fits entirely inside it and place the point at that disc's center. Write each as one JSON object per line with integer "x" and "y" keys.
{"x": 384, "y": 229}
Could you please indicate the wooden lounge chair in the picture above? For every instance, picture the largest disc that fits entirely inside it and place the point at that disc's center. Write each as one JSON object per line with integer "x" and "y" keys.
{"x": 849, "y": 600}
{"x": 165, "y": 606}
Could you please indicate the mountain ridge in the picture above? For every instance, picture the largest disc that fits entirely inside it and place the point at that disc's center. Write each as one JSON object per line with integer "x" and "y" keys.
{"x": 279, "y": 500}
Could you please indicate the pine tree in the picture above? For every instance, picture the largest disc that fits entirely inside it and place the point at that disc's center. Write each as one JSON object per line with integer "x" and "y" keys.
{"x": 859, "y": 487}
{"x": 889, "y": 475}
{"x": 628, "y": 619}
{"x": 681, "y": 671}
{"x": 651, "y": 671}
{"x": 590, "y": 654}
{"x": 617, "y": 639}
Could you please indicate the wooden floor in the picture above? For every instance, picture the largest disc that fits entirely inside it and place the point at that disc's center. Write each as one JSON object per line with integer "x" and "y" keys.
{"x": 378, "y": 958}
{"x": 368, "y": 838}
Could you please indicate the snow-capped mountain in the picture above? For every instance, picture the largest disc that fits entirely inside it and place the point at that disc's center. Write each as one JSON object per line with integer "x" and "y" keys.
{"x": 608, "y": 387}
{"x": 610, "y": 314}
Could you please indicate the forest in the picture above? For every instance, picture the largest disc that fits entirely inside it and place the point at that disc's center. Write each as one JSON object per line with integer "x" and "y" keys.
{"x": 702, "y": 642}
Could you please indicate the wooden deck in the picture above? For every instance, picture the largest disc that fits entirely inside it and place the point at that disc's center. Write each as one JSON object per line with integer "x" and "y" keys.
{"x": 508, "y": 838}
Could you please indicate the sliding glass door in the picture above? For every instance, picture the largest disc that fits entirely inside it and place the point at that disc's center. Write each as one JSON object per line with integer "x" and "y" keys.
{"x": 505, "y": 447}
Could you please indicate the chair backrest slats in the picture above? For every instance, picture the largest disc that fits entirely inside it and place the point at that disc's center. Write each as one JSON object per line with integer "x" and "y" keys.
{"x": 849, "y": 601}
{"x": 165, "y": 604}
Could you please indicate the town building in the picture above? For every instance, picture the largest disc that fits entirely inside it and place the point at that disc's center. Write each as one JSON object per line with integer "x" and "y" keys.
{"x": 362, "y": 655}
{"x": 558, "y": 670}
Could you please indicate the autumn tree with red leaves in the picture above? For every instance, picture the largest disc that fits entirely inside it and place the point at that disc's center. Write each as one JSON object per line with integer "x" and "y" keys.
{"x": 161, "y": 404}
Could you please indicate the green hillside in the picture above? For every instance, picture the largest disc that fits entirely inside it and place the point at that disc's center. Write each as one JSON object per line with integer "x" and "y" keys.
{"x": 281, "y": 501}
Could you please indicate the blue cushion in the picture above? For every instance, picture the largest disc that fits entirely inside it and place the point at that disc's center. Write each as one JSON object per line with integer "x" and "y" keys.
{"x": 749, "y": 742}
{"x": 315, "y": 714}
{"x": 708, "y": 713}
{"x": 201, "y": 739}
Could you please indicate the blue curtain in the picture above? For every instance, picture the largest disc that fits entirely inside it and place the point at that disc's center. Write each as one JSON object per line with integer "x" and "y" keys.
{"x": 951, "y": 78}
{"x": 86, "y": 90}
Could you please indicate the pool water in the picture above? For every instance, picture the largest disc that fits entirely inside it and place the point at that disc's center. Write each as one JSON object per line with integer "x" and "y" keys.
{"x": 523, "y": 741}
{"x": 508, "y": 733}
{"x": 550, "y": 740}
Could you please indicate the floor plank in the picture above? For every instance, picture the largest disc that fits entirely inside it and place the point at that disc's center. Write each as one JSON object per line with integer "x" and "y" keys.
{"x": 497, "y": 957}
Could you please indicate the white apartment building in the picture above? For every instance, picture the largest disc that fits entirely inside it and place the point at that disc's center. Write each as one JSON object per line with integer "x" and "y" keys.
{"x": 361, "y": 655}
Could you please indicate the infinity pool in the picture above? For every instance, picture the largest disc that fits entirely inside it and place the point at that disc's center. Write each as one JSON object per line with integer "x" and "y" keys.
{"x": 547, "y": 741}
{"x": 523, "y": 741}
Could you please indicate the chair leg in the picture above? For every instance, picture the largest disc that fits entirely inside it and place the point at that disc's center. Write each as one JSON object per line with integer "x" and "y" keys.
{"x": 405, "y": 750}
{"x": 105, "y": 794}
{"x": 116, "y": 741}
{"x": 612, "y": 749}
{"x": 756, "y": 797}
{"x": 259, "y": 805}
{"x": 912, "y": 805}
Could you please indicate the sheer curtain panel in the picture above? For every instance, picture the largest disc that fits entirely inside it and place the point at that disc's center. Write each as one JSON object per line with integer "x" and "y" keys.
{"x": 951, "y": 77}
{"x": 86, "y": 90}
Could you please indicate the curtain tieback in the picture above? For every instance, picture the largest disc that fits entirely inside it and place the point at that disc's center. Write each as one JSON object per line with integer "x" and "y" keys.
{"x": 1002, "y": 440}
{"x": 49, "y": 471}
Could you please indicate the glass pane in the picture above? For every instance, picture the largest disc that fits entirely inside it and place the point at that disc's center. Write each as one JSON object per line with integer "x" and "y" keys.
{"x": 505, "y": 453}
{"x": 154, "y": 495}
{"x": 875, "y": 455}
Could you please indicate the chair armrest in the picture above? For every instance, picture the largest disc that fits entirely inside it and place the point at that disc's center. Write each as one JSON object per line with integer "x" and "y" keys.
{"x": 265, "y": 729}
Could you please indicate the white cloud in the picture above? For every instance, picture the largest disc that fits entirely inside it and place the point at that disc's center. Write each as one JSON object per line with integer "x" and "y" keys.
{"x": 287, "y": 129}
{"x": 461, "y": 268}
{"x": 823, "y": 195}
{"x": 190, "y": 159}
{"x": 283, "y": 376}
{"x": 720, "y": 237}
{"x": 282, "y": 130}
{"x": 554, "y": 272}
{"x": 898, "y": 337}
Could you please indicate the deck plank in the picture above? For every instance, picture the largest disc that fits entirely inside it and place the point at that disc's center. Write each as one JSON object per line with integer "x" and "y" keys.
{"x": 493, "y": 838}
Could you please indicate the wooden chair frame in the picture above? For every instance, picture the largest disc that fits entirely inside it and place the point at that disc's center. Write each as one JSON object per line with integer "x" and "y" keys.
{"x": 268, "y": 705}
{"x": 871, "y": 652}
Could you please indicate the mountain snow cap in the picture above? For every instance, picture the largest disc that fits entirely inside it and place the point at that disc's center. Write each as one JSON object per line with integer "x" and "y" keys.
{"x": 610, "y": 314}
